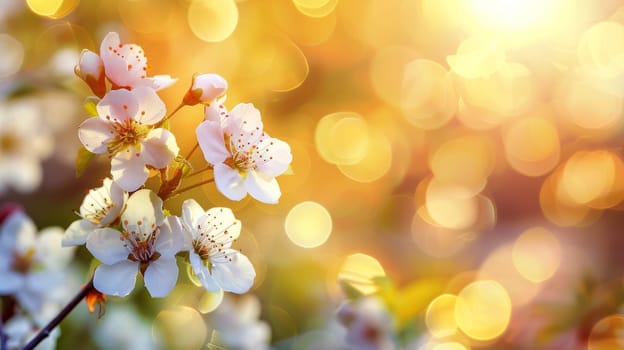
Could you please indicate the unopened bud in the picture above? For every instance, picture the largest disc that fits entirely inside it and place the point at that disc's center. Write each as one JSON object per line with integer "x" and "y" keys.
{"x": 205, "y": 89}
{"x": 91, "y": 69}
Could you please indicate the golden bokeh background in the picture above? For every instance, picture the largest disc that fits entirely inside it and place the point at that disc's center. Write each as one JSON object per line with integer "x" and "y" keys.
{"x": 468, "y": 151}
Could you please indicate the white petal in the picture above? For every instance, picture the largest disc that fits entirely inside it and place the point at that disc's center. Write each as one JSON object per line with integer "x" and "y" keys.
{"x": 236, "y": 276}
{"x": 77, "y": 232}
{"x": 50, "y": 250}
{"x": 159, "y": 82}
{"x": 191, "y": 211}
{"x": 11, "y": 282}
{"x": 95, "y": 133}
{"x": 117, "y": 279}
{"x": 106, "y": 245}
{"x": 229, "y": 182}
{"x": 25, "y": 174}
{"x": 201, "y": 271}
{"x": 244, "y": 118}
{"x": 262, "y": 187}
{"x": 159, "y": 148}
{"x": 276, "y": 156}
{"x": 118, "y": 105}
{"x": 124, "y": 64}
{"x": 170, "y": 237}
{"x": 43, "y": 281}
{"x": 161, "y": 276}
{"x": 118, "y": 196}
{"x": 143, "y": 210}
{"x": 212, "y": 86}
{"x": 18, "y": 231}
{"x": 29, "y": 300}
{"x": 218, "y": 221}
{"x": 151, "y": 108}
{"x": 216, "y": 111}
{"x": 90, "y": 64}
{"x": 210, "y": 138}
{"x": 128, "y": 170}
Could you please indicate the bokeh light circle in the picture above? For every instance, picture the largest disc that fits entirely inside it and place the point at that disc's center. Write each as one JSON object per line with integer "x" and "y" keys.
{"x": 359, "y": 271}
{"x": 440, "y": 316}
{"x": 536, "y": 254}
{"x": 12, "y": 55}
{"x": 213, "y": 20}
{"x": 483, "y": 310}
{"x": 308, "y": 224}
{"x": 607, "y": 334}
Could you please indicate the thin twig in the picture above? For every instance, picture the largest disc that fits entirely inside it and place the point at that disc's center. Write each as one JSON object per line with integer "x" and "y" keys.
{"x": 192, "y": 151}
{"x": 45, "y": 331}
{"x": 207, "y": 167}
{"x": 188, "y": 188}
{"x": 174, "y": 112}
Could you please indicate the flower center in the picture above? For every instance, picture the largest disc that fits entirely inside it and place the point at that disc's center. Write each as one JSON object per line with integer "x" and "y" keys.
{"x": 241, "y": 159}
{"x": 98, "y": 209}
{"x": 212, "y": 243}
{"x": 8, "y": 143}
{"x": 140, "y": 242}
{"x": 23, "y": 262}
{"x": 128, "y": 133}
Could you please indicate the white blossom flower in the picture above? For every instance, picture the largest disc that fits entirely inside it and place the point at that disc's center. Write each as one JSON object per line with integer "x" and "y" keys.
{"x": 20, "y": 329}
{"x": 99, "y": 208}
{"x": 136, "y": 332}
{"x": 237, "y": 323}
{"x": 126, "y": 65}
{"x": 24, "y": 143}
{"x": 90, "y": 68}
{"x": 368, "y": 323}
{"x": 124, "y": 129}
{"x": 205, "y": 88}
{"x": 244, "y": 157}
{"x": 209, "y": 235}
{"x": 31, "y": 264}
{"x": 147, "y": 243}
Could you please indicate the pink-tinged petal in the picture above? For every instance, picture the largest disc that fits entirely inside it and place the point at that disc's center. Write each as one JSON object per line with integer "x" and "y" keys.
{"x": 11, "y": 282}
{"x": 191, "y": 211}
{"x": 161, "y": 276}
{"x": 202, "y": 273}
{"x": 273, "y": 156}
{"x": 144, "y": 212}
{"x": 90, "y": 64}
{"x": 245, "y": 118}
{"x": 205, "y": 88}
{"x": 170, "y": 237}
{"x": 95, "y": 133}
{"x": 126, "y": 64}
{"x": 159, "y": 82}
{"x": 77, "y": 232}
{"x": 118, "y": 105}
{"x": 210, "y": 138}
{"x": 128, "y": 170}
{"x": 235, "y": 276}
{"x": 117, "y": 279}
{"x": 229, "y": 182}
{"x": 105, "y": 244}
{"x": 151, "y": 108}
{"x": 159, "y": 148}
{"x": 215, "y": 112}
{"x": 262, "y": 187}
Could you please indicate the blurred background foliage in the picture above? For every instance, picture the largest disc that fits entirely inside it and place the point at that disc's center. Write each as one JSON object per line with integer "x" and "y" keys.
{"x": 436, "y": 143}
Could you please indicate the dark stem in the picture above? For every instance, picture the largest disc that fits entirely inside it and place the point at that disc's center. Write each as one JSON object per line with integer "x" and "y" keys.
{"x": 45, "y": 331}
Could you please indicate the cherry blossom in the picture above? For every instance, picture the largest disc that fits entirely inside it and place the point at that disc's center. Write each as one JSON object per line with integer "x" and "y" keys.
{"x": 368, "y": 323}
{"x": 205, "y": 88}
{"x": 147, "y": 244}
{"x": 19, "y": 329}
{"x": 209, "y": 236}
{"x": 124, "y": 129}
{"x": 244, "y": 157}
{"x": 90, "y": 68}
{"x": 31, "y": 264}
{"x": 24, "y": 143}
{"x": 126, "y": 65}
{"x": 237, "y": 323}
{"x": 99, "y": 208}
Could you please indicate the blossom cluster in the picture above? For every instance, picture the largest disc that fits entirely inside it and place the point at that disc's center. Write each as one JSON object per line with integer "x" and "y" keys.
{"x": 124, "y": 223}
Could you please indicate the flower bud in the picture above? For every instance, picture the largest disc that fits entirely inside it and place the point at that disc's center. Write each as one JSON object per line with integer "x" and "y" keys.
{"x": 91, "y": 69}
{"x": 205, "y": 89}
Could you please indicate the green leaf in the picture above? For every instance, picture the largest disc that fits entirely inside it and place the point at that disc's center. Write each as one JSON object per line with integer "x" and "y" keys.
{"x": 83, "y": 158}
{"x": 90, "y": 104}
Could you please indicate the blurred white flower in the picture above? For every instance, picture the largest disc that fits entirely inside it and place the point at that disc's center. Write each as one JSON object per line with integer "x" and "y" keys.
{"x": 205, "y": 88}
{"x": 24, "y": 142}
{"x": 20, "y": 329}
{"x": 215, "y": 263}
{"x": 147, "y": 244}
{"x": 368, "y": 323}
{"x": 244, "y": 157}
{"x": 31, "y": 264}
{"x": 126, "y": 65}
{"x": 237, "y": 324}
{"x": 125, "y": 131}
{"x": 135, "y": 333}
{"x": 99, "y": 208}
